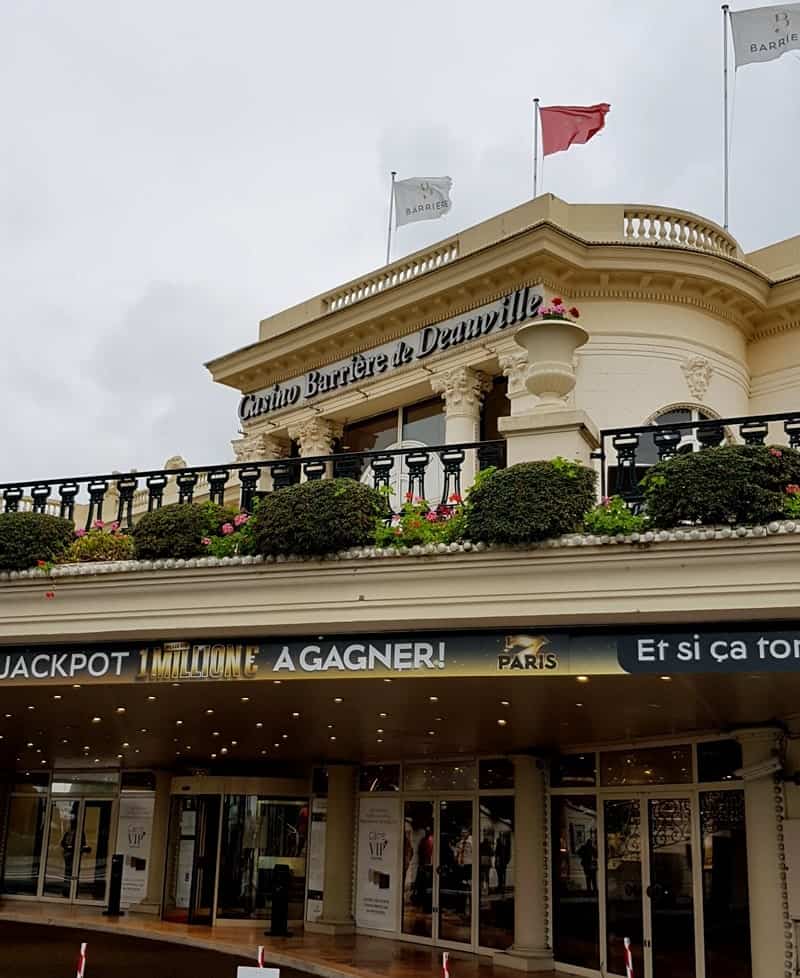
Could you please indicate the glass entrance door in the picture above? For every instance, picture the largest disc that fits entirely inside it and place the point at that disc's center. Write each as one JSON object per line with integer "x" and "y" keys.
{"x": 78, "y": 856}
{"x": 192, "y": 859}
{"x": 649, "y": 883}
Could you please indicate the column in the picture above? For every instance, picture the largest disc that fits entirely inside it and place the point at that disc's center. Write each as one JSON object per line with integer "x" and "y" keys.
{"x": 514, "y": 366}
{"x": 462, "y": 390}
{"x": 151, "y": 904}
{"x": 316, "y": 437}
{"x": 770, "y": 926}
{"x": 340, "y": 845}
{"x": 257, "y": 446}
{"x": 530, "y": 951}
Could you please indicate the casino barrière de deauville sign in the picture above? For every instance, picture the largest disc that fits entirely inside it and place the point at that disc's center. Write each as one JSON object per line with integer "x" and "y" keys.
{"x": 435, "y": 654}
{"x": 509, "y": 311}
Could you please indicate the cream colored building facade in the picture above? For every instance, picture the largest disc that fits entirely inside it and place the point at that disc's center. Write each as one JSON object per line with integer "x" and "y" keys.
{"x": 539, "y": 820}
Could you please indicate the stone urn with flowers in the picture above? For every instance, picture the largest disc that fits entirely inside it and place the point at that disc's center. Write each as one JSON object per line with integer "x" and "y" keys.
{"x": 550, "y": 340}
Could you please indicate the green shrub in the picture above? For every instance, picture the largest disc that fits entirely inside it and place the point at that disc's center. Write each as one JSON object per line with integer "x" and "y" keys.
{"x": 529, "y": 502}
{"x": 612, "y": 518}
{"x": 731, "y": 484}
{"x": 98, "y": 544}
{"x": 178, "y": 531}
{"x": 315, "y": 518}
{"x": 29, "y": 538}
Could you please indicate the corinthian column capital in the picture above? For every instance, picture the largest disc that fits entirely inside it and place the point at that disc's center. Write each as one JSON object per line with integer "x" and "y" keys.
{"x": 514, "y": 366}
{"x": 257, "y": 446}
{"x": 316, "y": 436}
{"x": 462, "y": 389}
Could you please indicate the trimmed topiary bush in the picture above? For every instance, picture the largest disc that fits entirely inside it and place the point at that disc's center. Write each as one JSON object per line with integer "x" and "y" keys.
{"x": 315, "y": 518}
{"x": 731, "y": 484}
{"x": 28, "y": 538}
{"x": 531, "y": 501}
{"x": 179, "y": 530}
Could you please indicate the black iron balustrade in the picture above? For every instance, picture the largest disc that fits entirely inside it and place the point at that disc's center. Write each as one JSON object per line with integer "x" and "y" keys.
{"x": 622, "y": 472}
{"x": 378, "y": 468}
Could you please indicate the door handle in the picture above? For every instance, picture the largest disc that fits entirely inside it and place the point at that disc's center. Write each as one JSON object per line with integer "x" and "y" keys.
{"x": 656, "y": 890}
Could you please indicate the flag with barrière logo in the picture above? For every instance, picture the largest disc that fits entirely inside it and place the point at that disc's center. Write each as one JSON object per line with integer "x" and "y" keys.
{"x": 765, "y": 33}
{"x": 421, "y": 199}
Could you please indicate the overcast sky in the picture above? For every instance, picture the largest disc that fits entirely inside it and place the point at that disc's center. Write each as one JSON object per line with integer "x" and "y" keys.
{"x": 171, "y": 171}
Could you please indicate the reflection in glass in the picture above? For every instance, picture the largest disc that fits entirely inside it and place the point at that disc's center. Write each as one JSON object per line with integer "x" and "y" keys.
{"x": 62, "y": 843}
{"x": 94, "y": 850}
{"x": 576, "y": 910}
{"x": 455, "y": 871}
{"x": 623, "y": 855}
{"x": 573, "y": 771}
{"x": 418, "y": 868}
{"x": 23, "y": 849}
{"x": 192, "y": 859}
{"x": 496, "y": 773}
{"x": 440, "y": 776}
{"x": 379, "y": 777}
{"x": 424, "y": 422}
{"x": 670, "y": 889}
{"x": 726, "y": 911}
{"x": 257, "y": 835}
{"x": 496, "y": 873}
{"x": 646, "y": 765}
{"x": 717, "y": 760}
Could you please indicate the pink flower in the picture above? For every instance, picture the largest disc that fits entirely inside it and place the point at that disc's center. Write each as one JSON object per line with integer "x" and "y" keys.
{"x": 777, "y": 453}
{"x": 430, "y": 517}
{"x": 418, "y": 499}
{"x": 792, "y": 490}
{"x": 114, "y": 526}
{"x": 240, "y": 519}
{"x": 80, "y": 533}
{"x": 606, "y": 500}
{"x": 206, "y": 541}
{"x": 227, "y": 529}
{"x": 395, "y": 519}
{"x": 98, "y": 525}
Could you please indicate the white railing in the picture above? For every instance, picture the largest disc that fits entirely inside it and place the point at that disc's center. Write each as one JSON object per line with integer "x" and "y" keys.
{"x": 677, "y": 227}
{"x": 392, "y": 275}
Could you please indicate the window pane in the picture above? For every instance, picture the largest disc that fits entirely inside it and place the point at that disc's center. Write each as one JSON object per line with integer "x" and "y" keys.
{"x": 441, "y": 777}
{"x": 576, "y": 910}
{"x": 24, "y": 835}
{"x": 425, "y": 422}
{"x": 29, "y": 782}
{"x": 96, "y": 783}
{"x": 726, "y": 911}
{"x": 379, "y": 777}
{"x": 573, "y": 771}
{"x": 718, "y": 759}
{"x": 372, "y": 434}
{"x": 496, "y": 873}
{"x": 418, "y": 846}
{"x": 650, "y": 765}
{"x": 496, "y": 773}
{"x": 319, "y": 782}
{"x": 496, "y": 405}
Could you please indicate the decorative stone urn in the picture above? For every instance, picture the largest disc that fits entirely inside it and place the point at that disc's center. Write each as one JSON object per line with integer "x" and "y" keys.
{"x": 550, "y": 344}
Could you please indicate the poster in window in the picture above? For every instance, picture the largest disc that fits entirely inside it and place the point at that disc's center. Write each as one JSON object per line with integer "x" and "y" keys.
{"x": 316, "y": 859}
{"x": 134, "y": 836}
{"x": 378, "y": 863}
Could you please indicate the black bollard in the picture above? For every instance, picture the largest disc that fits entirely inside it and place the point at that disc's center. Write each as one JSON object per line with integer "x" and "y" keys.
{"x": 279, "y": 919}
{"x": 115, "y": 887}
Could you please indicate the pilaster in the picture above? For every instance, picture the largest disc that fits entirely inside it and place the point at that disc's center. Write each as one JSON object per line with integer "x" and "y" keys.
{"x": 462, "y": 390}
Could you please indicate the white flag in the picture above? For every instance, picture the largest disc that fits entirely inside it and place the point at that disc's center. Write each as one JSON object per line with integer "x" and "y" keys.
{"x": 421, "y": 199}
{"x": 765, "y": 33}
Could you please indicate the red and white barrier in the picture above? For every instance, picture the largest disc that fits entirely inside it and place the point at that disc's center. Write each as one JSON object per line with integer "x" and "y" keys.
{"x": 81, "y": 962}
{"x": 445, "y": 965}
{"x": 628, "y": 959}
{"x": 260, "y": 956}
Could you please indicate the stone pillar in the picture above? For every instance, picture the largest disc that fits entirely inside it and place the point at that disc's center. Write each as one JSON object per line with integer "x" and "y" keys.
{"x": 771, "y": 934}
{"x": 316, "y": 437}
{"x": 151, "y": 904}
{"x": 462, "y": 390}
{"x": 530, "y": 950}
{"x": 514, "y": 366}
{"x": 340, "y": 848}
{"x": 257, "y": 446}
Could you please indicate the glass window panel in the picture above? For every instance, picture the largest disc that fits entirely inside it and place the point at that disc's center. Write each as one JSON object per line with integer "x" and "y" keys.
{"x": 648, "y": 765}
{"x": 576, "y": 908}
{"x": 418, "y": 868}
{"x": 573, "y": 771}
{"x": 718, "y": 759}
{"x": 496, "y": 405}
{"x": 78, "y": 783}
{"x": 23, "y": 850}
{"x": 496, "y": 773}
{"x": 372, "y": 434}
{"x": 63, "y": 847}
{"x": 257, "y": 835}
{"x": 379, "y": 777}
{"x": 424, "y": 422}
{"x": 94, "y": 850}
{"x": 456, "y": 858}
{"x": 496, "y": 873}
{"x": 30, "y": 782}
{"x": 726, "y": 911}
{"x": 623, "y": 855}
{"x": 440, "y": 777}
{"x": 670, "y": 892}
{"x": 319, "y": 782}
{"x": 138, "y": 781}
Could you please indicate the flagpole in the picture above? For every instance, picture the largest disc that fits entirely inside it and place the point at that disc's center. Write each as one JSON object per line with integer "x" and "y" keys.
{"x": 391, "y": 207}
{"x": 535, "y": 146}
{"x": 726, "y": 149}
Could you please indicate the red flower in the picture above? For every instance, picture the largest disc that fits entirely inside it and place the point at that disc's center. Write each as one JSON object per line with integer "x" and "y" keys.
{"x": 557, "y": 301}
{"x": 455, "y": 497}
{"x": 574, "y": 312}
{"x": 792, "y": 490}
{"x": 49, "y": 594}
{"x": 43, "y": 563}
{"x": 408, "y": 496}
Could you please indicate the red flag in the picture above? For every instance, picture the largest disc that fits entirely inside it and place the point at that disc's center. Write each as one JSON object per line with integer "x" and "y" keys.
{"x": 563, "y": 125}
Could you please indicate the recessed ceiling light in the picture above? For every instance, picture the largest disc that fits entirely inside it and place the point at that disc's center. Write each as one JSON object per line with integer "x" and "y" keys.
{"x": 431, "y": 733}
{"x": 87, "y": 747}
{"x": 295, "y": 714}
{"x": 337, "y": 699}
{"x": 76, "y": 685}
{"x": 234, "y": 743}
{"x": 213, "y": 757}
{"x": 125, "y": 743}
{"x": 380, "y": 740}
{"x": 284, "y": 736}
{"x": 276, "y": 745}
{"x": 136, "y": 750}
{"x": 387, "y": 680}
{"x": 151, "y": 697}
{"x": 97, "y": 719}
{"x": 120, "y": 709}
{"x": 9, "y": 715}
{"x": 223, "y": 750}
{"x": 379, "y": 730}
{"x": 579, "y": 704}
{"x": 43, "y": 761}
{"x": 209, "y": 712}
{"x": 31, "y": 707}
{"x": 215, "y": 733}
{"x": 97, "y": 760}
{"x": 502, "y": 723}
{"x": 276, "y": 682}
{"x": 245, "y": 699}
{"x": 143, "y": 730}
{"x": 65, "y": 741}
{"x": 505, "y": 703}
{"x": 119, "y": 757}
{"x": 263, "y": 752}
{"x": 29, "y": 744}
{"x": 666, "y": 679}
{"x": 176, "y": 684}
{"x": 333, "y": 738}
{"x": 56, "y": 696}
{"x": 383, "y": 715}
{"x": 582, "y": 679}
{"x": 259, "y": 724}
{"x": 179, "y": 723}
{"x": 330, "y": 726}
{"x": 434, "y": 699}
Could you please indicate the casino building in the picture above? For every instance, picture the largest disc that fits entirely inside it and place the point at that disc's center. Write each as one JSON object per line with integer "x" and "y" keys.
{"x": 523, "y": 754}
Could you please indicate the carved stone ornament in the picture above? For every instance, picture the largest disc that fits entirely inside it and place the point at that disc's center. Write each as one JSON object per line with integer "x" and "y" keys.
{"x": 514, "y": 366}
{"x": 258, "y": 446}
{"x": 462, "y": 389}
{"x": 316, "y": 436}
{"x": 697, "y": 371}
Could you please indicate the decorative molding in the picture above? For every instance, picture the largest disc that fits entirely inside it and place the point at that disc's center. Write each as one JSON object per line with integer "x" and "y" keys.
{"x": 462, "y": 390}
{"x": 258, "y": 446}
{"x": 698, "y": 372}
{"x": 514, "y": 366}
{"x": 316, "y": 436}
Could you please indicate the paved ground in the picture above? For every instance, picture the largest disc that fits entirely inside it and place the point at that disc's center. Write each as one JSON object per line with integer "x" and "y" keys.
{"x": 33, "y": 951}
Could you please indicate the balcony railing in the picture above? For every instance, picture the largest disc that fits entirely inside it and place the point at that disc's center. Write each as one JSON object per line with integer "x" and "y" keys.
{"x": 626, "y": 453}
{"x": 431, "y": 472}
